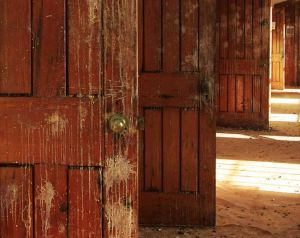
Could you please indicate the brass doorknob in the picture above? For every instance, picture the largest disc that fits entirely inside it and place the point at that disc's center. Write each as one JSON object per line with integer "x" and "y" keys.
{"x": 118, "y": 123}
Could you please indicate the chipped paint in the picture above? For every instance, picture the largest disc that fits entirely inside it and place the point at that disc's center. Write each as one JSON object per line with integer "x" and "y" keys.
{"x": 118, "y": 169}
{"x": 57, "y": 123}
{"x": 46, "y": 196}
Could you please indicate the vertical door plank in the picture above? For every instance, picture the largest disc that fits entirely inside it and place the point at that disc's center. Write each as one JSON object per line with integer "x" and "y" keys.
{"x": 249, "y": 29}
{"x": 231, "y": 93}
{"x": 240, "y": 93}
{"x": 256, "y": 94}
{"x": 153, "y": 149}
{"x": 152, "y": 35}
{"x": 120, "y": 97}
{"x": 223, "y": 92}
{"x": 223, "y": 33}
{"x": 50, "y": 200}
{"x": 232, "y": 28}
{"x": 15, "y": 47}
{"x": 49, "y": 48}
{"x": 248, "y": 93}
{"x": 84, "y": 42}
{"x": 85, "y": 202}
{"x": 189, "y": 35}
{"x": 16, "y": 218}
{"x": 257, "y": 11}
{"x": 207, "y": 179}
{"x": 171, "y": 33}
{"x": 240, "y": 29}
{"x": 189, "y": 151}
{"x": 171, "y": 150}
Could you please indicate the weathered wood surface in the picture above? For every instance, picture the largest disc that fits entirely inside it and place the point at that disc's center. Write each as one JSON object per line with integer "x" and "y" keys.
{"x": 177, "y": 45}
{"x": 63, "y": 173}
{"x": 242, "y": 90}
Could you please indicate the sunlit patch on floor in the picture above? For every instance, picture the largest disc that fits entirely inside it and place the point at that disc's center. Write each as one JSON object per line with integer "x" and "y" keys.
{"x": 265, "y": 176}
{"x": 284, "y": 117}
{"x": 282, "y": 138}
{"x": 234, "y": 136}
{"x": 293, "y": 101}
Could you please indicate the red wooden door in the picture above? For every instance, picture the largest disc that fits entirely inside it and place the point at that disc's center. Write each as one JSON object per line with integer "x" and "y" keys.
{"x": 278, "y": 47}
{"x": 177, "y": 146}
{"x": 65, "y": 68}
{"x": 243, "y": 63}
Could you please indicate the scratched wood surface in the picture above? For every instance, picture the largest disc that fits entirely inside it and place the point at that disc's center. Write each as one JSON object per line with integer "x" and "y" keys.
{"x": 242, "y": 97}
{"x": 176, "y": 55}
{"x": 65, "y": 68}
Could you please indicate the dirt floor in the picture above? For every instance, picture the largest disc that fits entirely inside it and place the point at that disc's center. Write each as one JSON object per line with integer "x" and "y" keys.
{"x": 258, "y": 179}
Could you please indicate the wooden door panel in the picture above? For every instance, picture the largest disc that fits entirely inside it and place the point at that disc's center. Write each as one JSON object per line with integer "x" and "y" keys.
{"x": 50, "y": 204}
{"x": 16, "y": 201}
{"x": 243, "y": 63}
{"x": 85, "y": 205}
{"x": 63, "y": 172}
{"x": 278, "y": 48}
{"x": 84, "y": 42}
{"x": 15, "y": 47}
{"x": 49, "y": 48}
{"x": 176, "y": 59}
{"x": 63, "y": 131}
{"x": 169, "y": 89}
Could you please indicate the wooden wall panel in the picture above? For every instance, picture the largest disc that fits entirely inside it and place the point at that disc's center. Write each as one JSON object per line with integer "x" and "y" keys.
{"x": 240, "y": 93}
{"x": 15, "y": 47}
{"x": 85, "y": 202}
{"x": 231, "y": 93}
{"x": 240, "y": 29}
{"x": 51, "y": 205}
{"x": 153, "y": 149}
{"x": 189, "y": 151}
{"x": 16, "y": 202}
{"x": 223, "y": 30}
{"x": 152, "y": 35}
{"x": 223, "y": 92}
{"x": 257, "y": 92}
{"x": 171, "y": 35}
{"x": 171, "y": 150}
{"x": 84, "y": 42}
{"x": 190, "y": 35}
{"x": 49, "y": 48}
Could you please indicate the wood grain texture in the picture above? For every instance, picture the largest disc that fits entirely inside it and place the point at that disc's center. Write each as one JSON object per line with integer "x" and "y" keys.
{"x": 49, "y": 48}
{"x": 153, "y": 150}
{"x": 56, "y": 131}
{"x": 189, "y": 151}
{"x": 15, "y": 47}
{"x": 171, "y": 150}
{"x": 171, "y": 35}
{"x": 16, "y": 202}
{"x": 152, "y": 35}
{"x": 84, "y": 43}
{"x": 85, "y": 202}
{"x": 51, "y": 205}
{"x": 190, "y": 35}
